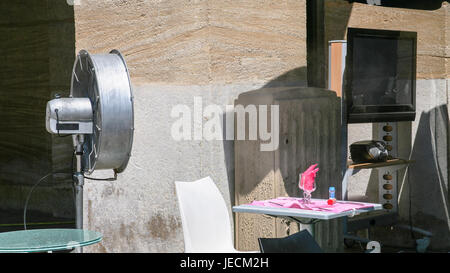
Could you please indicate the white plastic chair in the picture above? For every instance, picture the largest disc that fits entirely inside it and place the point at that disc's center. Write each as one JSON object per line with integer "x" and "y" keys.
{"x": 204, "y": 215}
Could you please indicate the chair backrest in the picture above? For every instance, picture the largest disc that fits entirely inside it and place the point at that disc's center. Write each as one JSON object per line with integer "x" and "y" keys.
{"x": 300, "y": 242}
{"x": 205, "y": 219}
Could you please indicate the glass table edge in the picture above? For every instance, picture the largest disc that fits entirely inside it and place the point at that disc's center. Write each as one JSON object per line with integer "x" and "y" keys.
{"x": 47, "y": 249}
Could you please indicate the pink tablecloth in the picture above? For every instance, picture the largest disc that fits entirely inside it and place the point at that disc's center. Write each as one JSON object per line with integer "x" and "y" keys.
{"x": 316, "y": 204}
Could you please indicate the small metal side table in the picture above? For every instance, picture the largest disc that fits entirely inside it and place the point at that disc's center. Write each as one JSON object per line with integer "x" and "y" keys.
{"x": 389, "y": 216}
{"x": 307, "y": 218}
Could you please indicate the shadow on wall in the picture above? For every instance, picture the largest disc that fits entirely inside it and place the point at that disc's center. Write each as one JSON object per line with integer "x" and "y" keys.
{"x": 289, "y": 79}
{"x": 428, "y": 177}
{"x": 309, "y": 133}
{"x": 424, "y": 191}
{"x": 37, "y": 52}
{"x": 293, "y": 78}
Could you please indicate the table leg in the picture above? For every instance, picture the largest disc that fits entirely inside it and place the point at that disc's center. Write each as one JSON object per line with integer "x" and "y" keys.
{"x": 309, "y": 227}
{"x": 306, "y": 224}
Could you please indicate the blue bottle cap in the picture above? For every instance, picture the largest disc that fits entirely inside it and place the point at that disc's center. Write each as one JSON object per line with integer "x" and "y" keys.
{"x": 332, "y": 189}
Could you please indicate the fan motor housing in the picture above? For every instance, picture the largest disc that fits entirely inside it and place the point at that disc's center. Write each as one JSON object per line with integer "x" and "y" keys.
{"x": 69, "y": 116}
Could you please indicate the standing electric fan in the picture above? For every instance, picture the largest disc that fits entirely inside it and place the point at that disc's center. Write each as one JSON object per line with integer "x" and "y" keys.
{"x": 99, "y": 116}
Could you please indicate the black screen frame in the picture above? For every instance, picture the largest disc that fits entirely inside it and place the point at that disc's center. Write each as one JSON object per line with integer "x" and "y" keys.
{"x": 378, "y": 113}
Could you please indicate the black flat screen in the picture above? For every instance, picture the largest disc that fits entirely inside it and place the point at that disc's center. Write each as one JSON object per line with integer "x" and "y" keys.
{"x": 381, "y": 75}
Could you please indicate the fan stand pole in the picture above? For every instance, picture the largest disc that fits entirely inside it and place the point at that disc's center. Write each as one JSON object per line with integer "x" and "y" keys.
{"x": 78, "y": 179}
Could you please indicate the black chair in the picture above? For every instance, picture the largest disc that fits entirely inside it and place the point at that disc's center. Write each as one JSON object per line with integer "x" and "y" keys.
{"x": 300, "y": 242}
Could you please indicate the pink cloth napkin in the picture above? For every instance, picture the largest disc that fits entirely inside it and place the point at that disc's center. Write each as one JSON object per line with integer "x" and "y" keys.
{"x": 316, "y": 205}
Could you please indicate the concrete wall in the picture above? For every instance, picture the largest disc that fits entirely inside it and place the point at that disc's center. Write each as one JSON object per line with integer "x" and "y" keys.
{"x": 425, "y": 139}
{"x": 178, "y": 50}
{"x": 33, "y": 33}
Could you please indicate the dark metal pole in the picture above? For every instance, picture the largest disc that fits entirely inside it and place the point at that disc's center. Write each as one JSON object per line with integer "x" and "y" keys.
{"x": 78, "y": 180}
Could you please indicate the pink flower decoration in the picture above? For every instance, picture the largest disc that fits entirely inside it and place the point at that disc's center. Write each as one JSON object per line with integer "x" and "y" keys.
{"x": 307, "y": 178}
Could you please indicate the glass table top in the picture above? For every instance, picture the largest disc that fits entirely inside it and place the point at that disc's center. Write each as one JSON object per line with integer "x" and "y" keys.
{"x": 45, "y": 240}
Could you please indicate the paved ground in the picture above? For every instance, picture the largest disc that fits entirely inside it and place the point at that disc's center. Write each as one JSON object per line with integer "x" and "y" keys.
{"x": 361, "y": 248}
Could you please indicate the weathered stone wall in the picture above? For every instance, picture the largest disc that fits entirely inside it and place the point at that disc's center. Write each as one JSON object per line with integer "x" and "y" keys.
{"x": 197, "y": 42}
{"x": 447, "y": 41}
{"x": 177, "y": 50}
